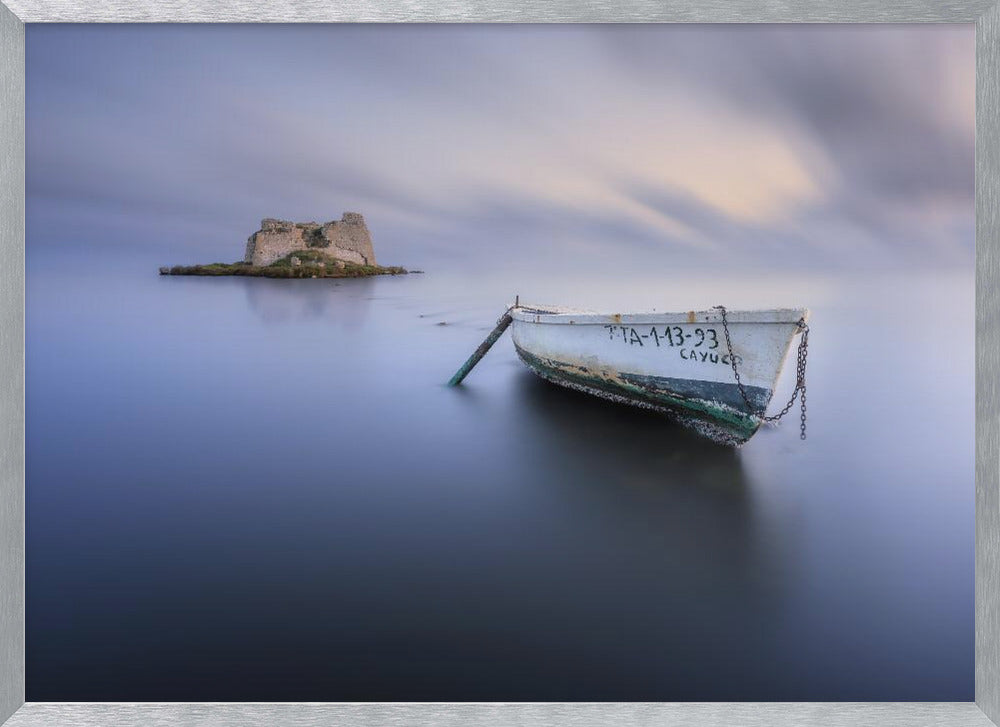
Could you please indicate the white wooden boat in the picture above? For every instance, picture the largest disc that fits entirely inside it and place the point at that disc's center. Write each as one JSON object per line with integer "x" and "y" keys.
{"x": 677, "y": 363}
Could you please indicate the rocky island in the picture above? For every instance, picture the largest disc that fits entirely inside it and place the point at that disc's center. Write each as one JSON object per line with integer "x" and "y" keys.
{"x": 281, "y": 249}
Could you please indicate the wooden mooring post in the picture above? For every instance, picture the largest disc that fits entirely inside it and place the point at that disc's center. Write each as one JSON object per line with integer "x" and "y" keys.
{"x": 485, "y": 346}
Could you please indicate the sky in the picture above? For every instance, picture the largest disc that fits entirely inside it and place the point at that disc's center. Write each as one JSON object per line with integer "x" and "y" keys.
{"x": 614, "y": 147}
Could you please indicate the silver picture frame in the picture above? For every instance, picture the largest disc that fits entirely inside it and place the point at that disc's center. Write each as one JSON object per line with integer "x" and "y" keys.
{"x": 986, "y": 708}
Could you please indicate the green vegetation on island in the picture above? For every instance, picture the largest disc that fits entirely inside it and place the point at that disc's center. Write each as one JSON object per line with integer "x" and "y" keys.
{"x": 300, "y": 264}
{"x": 282, "y": 249}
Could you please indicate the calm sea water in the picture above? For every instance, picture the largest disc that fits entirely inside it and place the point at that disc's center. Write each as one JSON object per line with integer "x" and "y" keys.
{"x": 262, "y": 490}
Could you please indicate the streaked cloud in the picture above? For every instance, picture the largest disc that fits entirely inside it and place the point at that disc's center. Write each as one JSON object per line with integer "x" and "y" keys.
{"x": 791, "y": 146}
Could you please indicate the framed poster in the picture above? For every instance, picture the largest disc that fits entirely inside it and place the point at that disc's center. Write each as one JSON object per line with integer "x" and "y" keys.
{"x": 254, "y": 254}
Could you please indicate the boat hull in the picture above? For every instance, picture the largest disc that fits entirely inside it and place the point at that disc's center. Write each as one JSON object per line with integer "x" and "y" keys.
{"x": 675, "y": 363}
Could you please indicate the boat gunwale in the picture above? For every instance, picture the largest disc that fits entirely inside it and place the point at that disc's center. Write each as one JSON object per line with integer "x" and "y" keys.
{"x": 565, "y": 316}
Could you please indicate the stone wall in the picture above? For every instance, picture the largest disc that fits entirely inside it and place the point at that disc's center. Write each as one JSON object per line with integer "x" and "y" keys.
{"x": 347, "y": 240}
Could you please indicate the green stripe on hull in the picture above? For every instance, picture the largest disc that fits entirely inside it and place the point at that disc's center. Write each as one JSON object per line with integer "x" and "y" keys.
{"x": 705, "y": 412}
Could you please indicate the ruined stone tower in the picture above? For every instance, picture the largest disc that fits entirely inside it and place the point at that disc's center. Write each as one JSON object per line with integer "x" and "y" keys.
{"x": 347, "y": 240}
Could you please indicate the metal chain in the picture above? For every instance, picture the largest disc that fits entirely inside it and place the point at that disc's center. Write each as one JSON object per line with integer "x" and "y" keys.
{"x": 800, "y": 374}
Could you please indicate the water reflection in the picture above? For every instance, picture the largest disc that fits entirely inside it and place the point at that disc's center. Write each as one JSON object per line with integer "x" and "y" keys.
{"x": 627, "y": 443}
{"x": 666, "y": 495}
{"x": 281, "y": 301}
{"x": 309, "y": 510}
